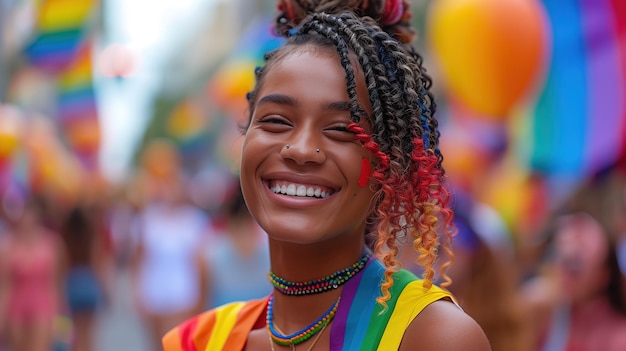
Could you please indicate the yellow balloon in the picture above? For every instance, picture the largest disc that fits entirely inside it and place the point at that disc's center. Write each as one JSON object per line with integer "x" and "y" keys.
{"x": 228, "y": 88}
{"x": 8, "y": 144}
{"x": 10, "y": 129}
{"x": 490, "y": 52}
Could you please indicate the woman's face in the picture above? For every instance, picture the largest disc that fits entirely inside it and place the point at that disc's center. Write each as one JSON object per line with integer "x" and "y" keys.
{"x": 581, "y": 249}
{"x": 297, "y": 193}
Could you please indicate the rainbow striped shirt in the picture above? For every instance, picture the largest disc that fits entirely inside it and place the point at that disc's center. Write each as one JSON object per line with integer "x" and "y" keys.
{"x": 358, "y": 324}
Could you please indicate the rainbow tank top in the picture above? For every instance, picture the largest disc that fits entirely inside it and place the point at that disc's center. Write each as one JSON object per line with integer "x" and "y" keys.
{"x": 358, "y": 324}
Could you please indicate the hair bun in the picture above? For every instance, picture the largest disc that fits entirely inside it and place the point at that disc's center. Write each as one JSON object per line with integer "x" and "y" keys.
{"x": 392, "y": 15}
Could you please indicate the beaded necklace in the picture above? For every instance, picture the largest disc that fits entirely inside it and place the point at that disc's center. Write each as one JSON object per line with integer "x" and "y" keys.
{"x": 303, "y": 334}
{"x": 293, "y": 347}
{"x": 321, "y": 285}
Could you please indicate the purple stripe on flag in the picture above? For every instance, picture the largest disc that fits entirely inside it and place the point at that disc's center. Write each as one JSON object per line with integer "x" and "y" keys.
{"x": 338, "y": 328}
{"x": 606, "y": 90}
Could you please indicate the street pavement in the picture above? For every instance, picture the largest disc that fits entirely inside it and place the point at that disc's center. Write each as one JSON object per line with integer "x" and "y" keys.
{"x": 118, "y": 327}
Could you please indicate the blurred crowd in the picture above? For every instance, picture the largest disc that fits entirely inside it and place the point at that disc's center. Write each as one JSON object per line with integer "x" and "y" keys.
{"x": 561, "y": 286}
{"x": 61, "y": 259}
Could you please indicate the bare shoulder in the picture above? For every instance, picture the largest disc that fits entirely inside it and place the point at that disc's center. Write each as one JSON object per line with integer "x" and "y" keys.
{"x": 443, "y": 326}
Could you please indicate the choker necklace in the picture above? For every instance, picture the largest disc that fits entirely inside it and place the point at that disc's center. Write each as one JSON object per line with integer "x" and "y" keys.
{"x": 321, "y": 285}
{"x": 301, "y": 335}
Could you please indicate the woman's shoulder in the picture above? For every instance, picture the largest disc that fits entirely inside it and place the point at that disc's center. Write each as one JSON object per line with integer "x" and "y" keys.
{"x": 442, "y": 325}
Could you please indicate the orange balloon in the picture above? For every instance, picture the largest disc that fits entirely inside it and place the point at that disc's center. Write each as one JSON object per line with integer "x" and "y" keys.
{"x": 490, "y": 52}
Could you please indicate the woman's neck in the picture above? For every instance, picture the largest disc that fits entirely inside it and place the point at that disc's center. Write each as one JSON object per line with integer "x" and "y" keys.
{"x": 302, "y": 263}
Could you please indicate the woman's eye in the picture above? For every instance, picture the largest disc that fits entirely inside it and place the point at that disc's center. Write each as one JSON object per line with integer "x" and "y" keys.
{"x": 341, "y": 133}
{"x": 274, "y": 124}
{"x": 274, "y": 120}
{"x": 343, "y": 129}
{"x": 340, "y": 128}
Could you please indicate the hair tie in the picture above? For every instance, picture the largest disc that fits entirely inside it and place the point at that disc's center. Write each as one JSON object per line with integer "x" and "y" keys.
{"x": 392, "y": 13}
{"x": 288, "y": 10}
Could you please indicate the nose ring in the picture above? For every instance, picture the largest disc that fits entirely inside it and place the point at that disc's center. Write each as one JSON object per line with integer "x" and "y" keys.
{"x": 317, "y": 150}
{"x": 287, "y": 146}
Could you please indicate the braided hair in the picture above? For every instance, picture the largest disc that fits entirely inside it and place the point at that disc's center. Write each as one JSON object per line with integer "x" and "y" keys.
{"x": 411, "y": 201}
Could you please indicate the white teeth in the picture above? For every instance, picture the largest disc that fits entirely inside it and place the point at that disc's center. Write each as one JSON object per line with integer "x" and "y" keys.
{"x": 291, "y": 190}
{"x": 299, "y": 190}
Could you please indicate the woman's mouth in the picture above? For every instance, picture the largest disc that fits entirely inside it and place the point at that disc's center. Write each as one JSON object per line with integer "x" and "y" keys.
{"x": 300, "y": 190}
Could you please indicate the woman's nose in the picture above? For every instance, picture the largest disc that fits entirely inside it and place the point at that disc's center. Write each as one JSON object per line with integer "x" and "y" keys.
{"x": 303, "y": 152}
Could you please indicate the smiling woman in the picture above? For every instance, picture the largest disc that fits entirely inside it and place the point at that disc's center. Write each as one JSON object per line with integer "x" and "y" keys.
{"x": 303, "y": 105}
{"x": 341, "y": 143}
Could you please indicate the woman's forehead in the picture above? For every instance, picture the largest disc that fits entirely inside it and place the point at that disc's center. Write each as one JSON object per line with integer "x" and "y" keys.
{"x": 311, "y": 73}
{"x": 316, "y": 50}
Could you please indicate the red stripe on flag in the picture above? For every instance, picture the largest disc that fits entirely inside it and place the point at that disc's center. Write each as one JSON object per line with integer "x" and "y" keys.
{"x": 186, "y": 331}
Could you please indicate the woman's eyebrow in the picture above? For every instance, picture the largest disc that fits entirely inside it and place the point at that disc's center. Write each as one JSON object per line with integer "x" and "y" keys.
{"x": 283, "y": 99}
{"x": 277, "y": 99}
{"x": 338, "y": 106}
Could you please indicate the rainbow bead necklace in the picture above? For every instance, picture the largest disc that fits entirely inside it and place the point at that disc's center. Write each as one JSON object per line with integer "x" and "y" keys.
{"x": 321, "y": 285}
{"x": 301, "y": 335}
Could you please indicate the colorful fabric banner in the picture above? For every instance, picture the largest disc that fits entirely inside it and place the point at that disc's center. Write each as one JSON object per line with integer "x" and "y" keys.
{"x": 578, "y": 121}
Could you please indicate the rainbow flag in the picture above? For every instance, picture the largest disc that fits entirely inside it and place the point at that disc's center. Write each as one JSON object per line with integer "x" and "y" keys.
{"x": 62, "y": 46}
{"x": 75, "y": 87}
{"x": 60, "y": 28}
{"x": 578, "y": 123}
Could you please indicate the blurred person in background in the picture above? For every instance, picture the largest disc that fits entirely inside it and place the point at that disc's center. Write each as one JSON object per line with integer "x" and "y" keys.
{"x": 168, "y": 268}
{"x": 238, "y": 257}
{"x": 126, "y": 204}
{"x": 30, "y": 279}
{"x": 86, "y": 266}
{"x": 612, "y": 184}
{"x": 576, "y": 301}
{"x": 484, "y": 275}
